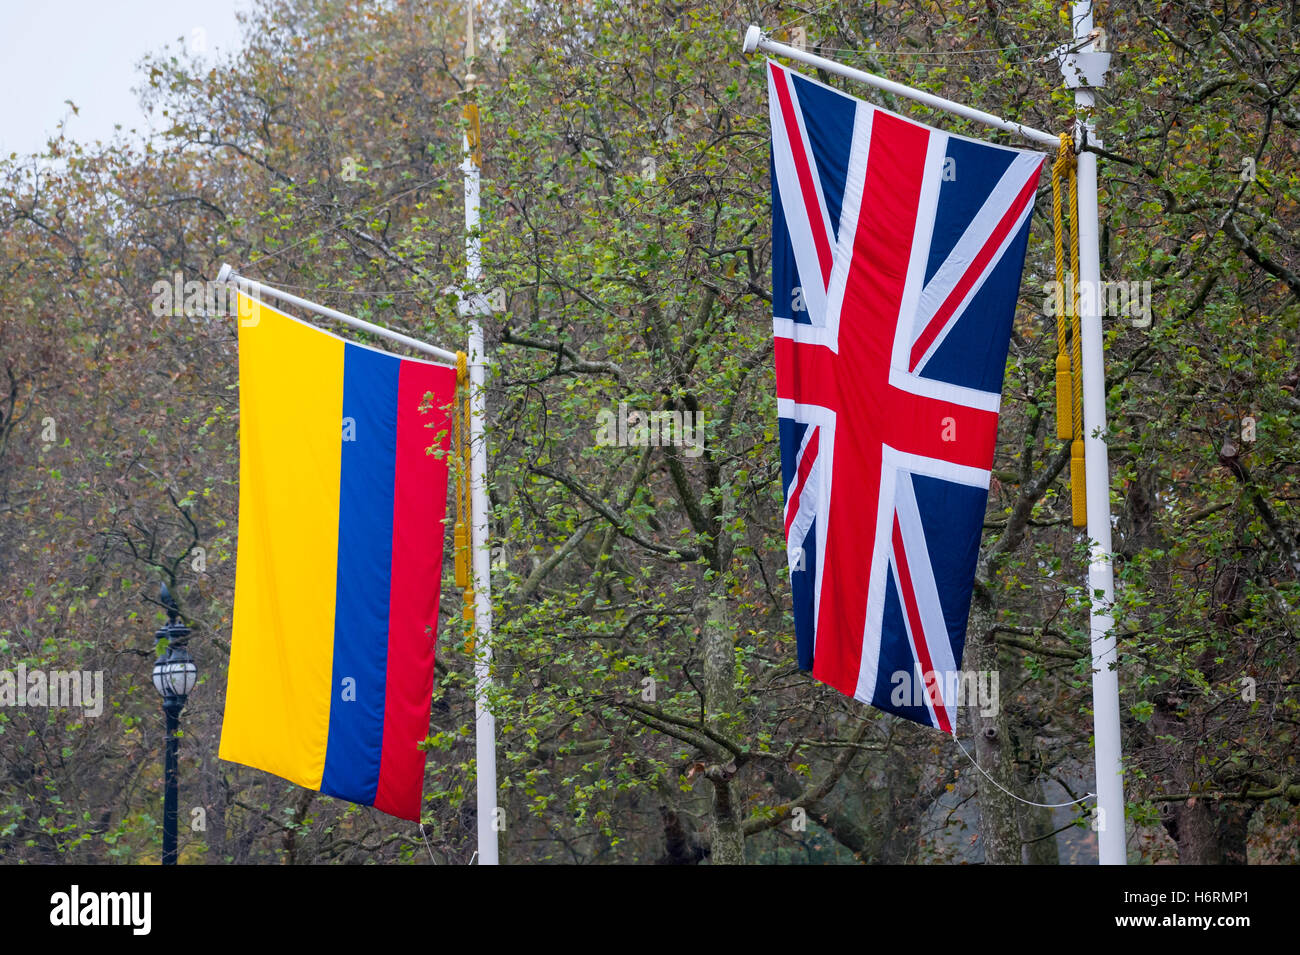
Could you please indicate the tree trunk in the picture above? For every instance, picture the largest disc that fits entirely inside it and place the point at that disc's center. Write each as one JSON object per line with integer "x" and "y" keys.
{"x": 1037, "y": 827}
{"x": 1209, "y": 832}
{"x": 999, "y": 827}
{"x": 727, "y": 838}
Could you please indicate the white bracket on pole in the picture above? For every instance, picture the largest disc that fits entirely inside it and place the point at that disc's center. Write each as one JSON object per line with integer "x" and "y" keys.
{"x": 1085, "y": 68}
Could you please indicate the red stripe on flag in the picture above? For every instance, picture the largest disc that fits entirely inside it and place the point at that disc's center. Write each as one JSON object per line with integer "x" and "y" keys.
{"x": 805, "y": 373}
{"x": 918, "y": 633}
{"x": 419, "y": 503}
{"x": 805, "y": 466}
{"x": 917, "y": 425}
{"x": 812, "y": 205}
{"x": 976, "y": 269}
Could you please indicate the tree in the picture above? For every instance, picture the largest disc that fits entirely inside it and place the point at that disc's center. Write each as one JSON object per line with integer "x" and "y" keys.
{"x": 648, "y": 700}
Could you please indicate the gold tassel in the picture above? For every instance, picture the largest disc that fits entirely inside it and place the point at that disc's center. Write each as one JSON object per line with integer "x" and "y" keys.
{"x": 461, "y": 540}
{"x": 1078, "y": 497}
{"x": 473, "y": 133}
{"x": 1064, "y": 397}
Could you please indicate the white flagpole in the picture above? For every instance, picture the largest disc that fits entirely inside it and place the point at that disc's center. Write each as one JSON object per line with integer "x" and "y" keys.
{"x": 472, "y": 305}
{"x": 1085, "y": 70}
{"x": 1084, "y": 67}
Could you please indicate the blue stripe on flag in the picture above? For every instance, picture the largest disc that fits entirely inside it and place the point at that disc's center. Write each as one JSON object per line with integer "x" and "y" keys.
{"x": 804, "y": 599}
{"x": 364, "y": 564}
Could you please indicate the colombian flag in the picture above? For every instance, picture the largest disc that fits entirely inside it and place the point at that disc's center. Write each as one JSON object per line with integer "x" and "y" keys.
{"x": 339, "y": 562}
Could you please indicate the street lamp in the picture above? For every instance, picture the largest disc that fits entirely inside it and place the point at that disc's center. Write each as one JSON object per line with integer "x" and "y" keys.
{"x": 174, "y": 675}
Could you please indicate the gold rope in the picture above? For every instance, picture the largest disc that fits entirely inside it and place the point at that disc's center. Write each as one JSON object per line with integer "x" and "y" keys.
{"x": 1069, "y": 358}
{"x": 1079, "y": 509}
{"x": 460, "y": 450}
{"x": 1064, "y": 427}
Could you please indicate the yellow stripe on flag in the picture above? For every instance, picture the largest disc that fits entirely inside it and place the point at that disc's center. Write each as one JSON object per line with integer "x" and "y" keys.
{"x": 282, "y": 646}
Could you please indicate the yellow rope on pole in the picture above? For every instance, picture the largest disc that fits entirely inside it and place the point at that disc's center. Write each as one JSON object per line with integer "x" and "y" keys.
{"x": 1064, "y": 402}
{"x": 1069, "y": 346}
{"x": 460, "y": 420}
{"x": 1079, "y": 509}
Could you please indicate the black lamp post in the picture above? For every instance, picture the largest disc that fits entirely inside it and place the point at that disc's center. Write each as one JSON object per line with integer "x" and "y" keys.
{"x": 174, "y": 675}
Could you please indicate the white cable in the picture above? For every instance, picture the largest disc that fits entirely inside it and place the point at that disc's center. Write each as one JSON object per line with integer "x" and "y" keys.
{"x": 1041, "y": 805}
{"x": 426, "y": 844}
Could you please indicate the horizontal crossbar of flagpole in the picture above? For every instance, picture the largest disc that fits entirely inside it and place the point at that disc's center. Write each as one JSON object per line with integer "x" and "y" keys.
{"x": 756, "y": 40}
{"x": 227, "y": 274}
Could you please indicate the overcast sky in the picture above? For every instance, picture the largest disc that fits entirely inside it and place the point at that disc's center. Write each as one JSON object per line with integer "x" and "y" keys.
{"x": 86, "y": 51}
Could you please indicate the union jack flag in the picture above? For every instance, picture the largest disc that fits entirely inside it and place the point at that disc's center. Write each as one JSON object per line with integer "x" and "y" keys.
{"x": 897, "y": 251}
